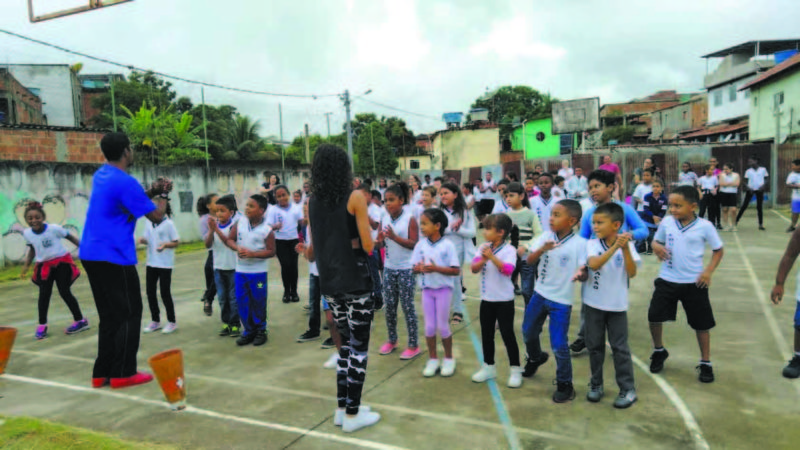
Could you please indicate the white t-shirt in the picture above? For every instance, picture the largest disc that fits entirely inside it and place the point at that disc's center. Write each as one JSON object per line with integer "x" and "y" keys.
{"x": 47, "y": 244}
{"x": 417, "y": 197}
{"x": 477, "y": 194}
{"x": 397, "y": 256}
{"x": 729, "y": 179}
{"x": 708, "y": 183}
{"x": 687, "y": 246}
{"x": 577, "y": 187}
{"x": 288, "y": 217}
{"x": 794, "y": 178}
{"x": 500, "y": 207}
{"x": 156, "y": 235}
{"x": 557, "y": 267}
{"x": 566, "y": 174}
{"x": 607, "y": 288}
{"x": 469, "y": 200}
{"x": 252, "y": 238}
{"x": 375, "y": 213}
{"x": 441, "y": 253}
{"x": 687, "y": 178}
{"x": 557, "y": 193}
{"x": 755, "y": 178}
{"x": 542, "y": 208}
{"x": 639, "y": 193}
{"x": 224, "y": 257}
{"x": 489, "y": 195}
{"x": 495, "y": 286}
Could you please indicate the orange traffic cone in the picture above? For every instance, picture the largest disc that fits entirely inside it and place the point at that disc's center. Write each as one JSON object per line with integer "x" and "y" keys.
{"x": 7, "y": 336}
{"x": 168, "y": 369}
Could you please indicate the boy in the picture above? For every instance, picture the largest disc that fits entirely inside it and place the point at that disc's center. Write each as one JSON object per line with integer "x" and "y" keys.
{"x": 578, "y": 185}
{"x": 792, "y": 370}
{"x": 644, "y": 188}
{"x": 687, "y": 177}
{"x": 708, "y": 185}
{"x": 793, "y": 183}
{"x": 254, "y": 243}
{"x": 655, "y": 208}
{"x": 612, "y": 262}
{"x": 560, "y": 253}
{"x": 680, "y": 243}
{"x": 543, "y": 203}
{"x": 225, "y": 264}
{"x": 756, "y": 180}
{"x": 500, "y": 206}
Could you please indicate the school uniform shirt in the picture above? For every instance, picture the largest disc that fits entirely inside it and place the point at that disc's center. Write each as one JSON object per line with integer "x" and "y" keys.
{"x": 542, "y": 208}
{"x": 252, "y": 238}
{"x": 558, "y": 193}
{"x": 397, "y": 256}
{"x": 794, "y": 178}
{"x": 461, "y": 238}
{"x": 417, "y": 197}
{"x": 526, "y": 221}
{"x": 47, "y": 245}
{"x": 156, "y": 235}
{"x": 203, "y": 224}
{"x": 477, "y": 194}
{"x": 633, "y": 223}
{"x": 224, "y": 257}
{"x": 375, "y": 213}
{"x": 288, "y": 217}
{"x": 558, "y": 266}
{"x": 489, "y": 195}
{"x": 496, "y": 286}
{"x": 607, "y": 288}
{"x": 566, "y": 174}
{"x": 469, "y": 200}
{"x": 639, "y": 193}
{"x": 500, "y": 207}
{"x": 729, "y": 179}
{"x": 708, "y": 183}
{"x": 687, "y": 178}
{"x": 687, "y": 245}
{"x": 441, "y": 253}
{"x": 577, "y": 187}
{"x": 755, "y": 178}
{"x": 654, "y": 207}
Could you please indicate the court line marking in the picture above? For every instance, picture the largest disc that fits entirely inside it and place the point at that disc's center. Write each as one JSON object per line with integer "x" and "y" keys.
{"x": 206, "y": 412}
{"x": 287, "y": 391}
{"x": 782, "y": 216}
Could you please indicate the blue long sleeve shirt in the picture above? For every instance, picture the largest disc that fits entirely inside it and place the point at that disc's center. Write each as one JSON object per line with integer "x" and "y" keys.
{"x": 633, "y": 223}
{"x": 654, "y": 207}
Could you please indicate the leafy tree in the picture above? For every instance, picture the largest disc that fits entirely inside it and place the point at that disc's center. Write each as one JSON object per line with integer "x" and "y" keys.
{"x": 622, "y": 134}
{"x": 243, "y": 137}
{"x": 218, "y": 121}
{"x": 373, "y": 138}
{"x": 400, "y": 137}
{"x": 139, "y": 87}
{"x": 162, "y": 137}
{"x": 510, "y": 103}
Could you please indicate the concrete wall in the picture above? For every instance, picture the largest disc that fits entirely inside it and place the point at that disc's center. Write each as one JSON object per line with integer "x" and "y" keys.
{"x": 404, "y": 163}
{"x": 46, "y": 145}
{"x": 720, "y": 105}
{"x": 22, "y": 105}
{"x": 58, "y": 88}
{"x": 762, "y": 119}
{"x": 684, "y": 117}
{"x": 458, "y": 149}
{"x": 526, "y": 138}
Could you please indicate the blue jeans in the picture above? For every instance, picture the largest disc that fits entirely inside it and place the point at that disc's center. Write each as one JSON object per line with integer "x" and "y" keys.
{"x": 535, "y": 314}
{"x": 251, "y": 297}
{"x": 314, "y": 298}
{"x": 527, "y": 277}
{"x": 226, "y": 293}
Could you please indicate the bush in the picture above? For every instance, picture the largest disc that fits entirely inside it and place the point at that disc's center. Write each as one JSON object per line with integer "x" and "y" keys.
{"x": 230, "y": 156}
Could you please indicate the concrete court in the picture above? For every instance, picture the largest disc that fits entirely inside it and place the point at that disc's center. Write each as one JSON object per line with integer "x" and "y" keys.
{"x": 270, "y": 397}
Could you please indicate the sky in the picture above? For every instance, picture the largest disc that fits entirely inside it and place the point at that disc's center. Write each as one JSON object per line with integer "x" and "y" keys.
{"x": 425, "y": 57}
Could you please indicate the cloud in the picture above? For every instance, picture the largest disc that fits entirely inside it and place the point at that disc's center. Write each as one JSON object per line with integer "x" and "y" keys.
{"x": 393, "y": 38}
{"x": 512, "y": 39}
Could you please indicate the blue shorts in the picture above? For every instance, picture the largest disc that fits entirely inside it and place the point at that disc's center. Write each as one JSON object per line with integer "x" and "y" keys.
{"x": 795, "y": 206}
{"x": 797, "y": 317}
{"x": 325, "y": 306}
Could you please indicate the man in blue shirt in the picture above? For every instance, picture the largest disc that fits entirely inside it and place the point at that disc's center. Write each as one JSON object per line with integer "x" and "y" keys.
{"x": 108, "y": 254}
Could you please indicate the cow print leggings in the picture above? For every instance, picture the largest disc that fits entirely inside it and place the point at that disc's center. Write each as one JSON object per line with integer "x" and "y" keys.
{"x": 353, "y": 317}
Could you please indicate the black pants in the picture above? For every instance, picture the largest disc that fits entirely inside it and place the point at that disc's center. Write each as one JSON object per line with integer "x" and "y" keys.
{"x": 759, "y": 205}
{"x": 163, "y": 277}
{"x": 710, "y": 204}
{"x": 353, "y": 317}
{"x": 118, "y": 298}
{"x": 501, "y": 313}
{"x": 61, "y": 275}
{"x": 208, "y": 270}
{"x": 288, "y": 260}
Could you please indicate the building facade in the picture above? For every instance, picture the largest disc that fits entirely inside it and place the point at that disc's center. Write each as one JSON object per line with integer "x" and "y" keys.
{"x": 535, "y": 139}
{"x": 460, "y": 148}
{"x": 58, "y": 88}
{"x": 18, "y": 104}
{"x": 668, "y": 123}
{"x": 775, "y": 102}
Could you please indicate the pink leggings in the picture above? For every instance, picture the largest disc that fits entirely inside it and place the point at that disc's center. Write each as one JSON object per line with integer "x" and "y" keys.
{"x": 436, "y": 307}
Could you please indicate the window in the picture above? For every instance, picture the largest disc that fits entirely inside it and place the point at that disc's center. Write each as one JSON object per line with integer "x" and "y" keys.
{"x": 540, "y": 136}
{"x": 747, "y": 93}
{"x": 414, "y": 163}
{"x": 718, "y": 97}
{"x": 755, "y": 100}
{"x": 685, "y": 114}
{"x": 778, "y": 100}
{"x": 732, "y": 92}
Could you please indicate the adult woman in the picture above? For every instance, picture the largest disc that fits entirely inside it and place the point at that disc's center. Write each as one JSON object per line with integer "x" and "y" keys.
{"x": 565, "y": 171}
{"x": 416, "y": 193}
{"x": 728, "y": 187}
{"x": 341, "y": 235}
{"x": 714, "y": 163}
{"x": 268, "y": 189}
{"x": 613, "y": 168}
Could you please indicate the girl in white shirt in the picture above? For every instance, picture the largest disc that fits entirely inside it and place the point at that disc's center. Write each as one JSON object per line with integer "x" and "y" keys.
{"x": 161, "y": 239}
{"x": 460, "y": 231}
{"x": 283, "y": 218}
{"x": 728, "y": 188}
{"x": 708, "y": 185}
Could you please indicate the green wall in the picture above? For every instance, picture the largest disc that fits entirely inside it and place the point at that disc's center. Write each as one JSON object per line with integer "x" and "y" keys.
{"x": 549, "y": 147}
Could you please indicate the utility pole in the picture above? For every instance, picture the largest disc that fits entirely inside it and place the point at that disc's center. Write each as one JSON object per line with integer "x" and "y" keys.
{"x": 372, "y": 138}
{"x": 308, "y": 149}
{"x": 346, "y": 98}
{"x": 328, "y": 118}
{"x": 280, "y": 121}
{"x": 773, "y": 170}
{"x": 113, "y": 103}
{"x": 205, "y": 124}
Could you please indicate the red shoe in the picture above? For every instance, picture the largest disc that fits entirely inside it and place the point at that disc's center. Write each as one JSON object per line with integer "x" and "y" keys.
{"x": 100, "y": 382}
{"x": 139, "y": 378}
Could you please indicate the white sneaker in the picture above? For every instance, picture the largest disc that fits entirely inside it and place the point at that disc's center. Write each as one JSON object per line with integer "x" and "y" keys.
{"x": 332, "y": 362}
{"x": 170, "y": 328}
{"x": 338, "y": 416}
{"x": 486, "y": 373}
{"x": 363, "y": 419}
{"x": 515, "y": 379}
{"x": 153, "y": 326}
{"x": 430, "y": 368}
{"x": 448, "y": 367}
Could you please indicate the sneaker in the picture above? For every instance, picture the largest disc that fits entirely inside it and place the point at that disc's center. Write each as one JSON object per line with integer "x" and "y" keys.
{"x": 705, "y": 373}
{"x": 363, "y": 419}
{"x": 41, "y": 332}
{"x": 170, "y": 328}
{"x": 410, "y": 353}
{"x": 486, "y": 373}
{"x": 515, "y": 379}
{"x": 578, "y": 346}
{"x": 792, "y": 370}
{"x": 328, "y": 343}
{"x": 152, "y": 326}
{"x": 139, "y": 378}
{"x": 77, "y": 327}
{"x": 595, "y": 393}
{"x": 286, "y": 298}
{"x": 625, "y": 399}
{"x": 295, "y": 298}
{"x": 236, "y": 331}
{"x": 97, "y": 383}
{"x": 430, "y": 368}
{"x": 307, "y": 307}
{"x": 532, "y": 365}
{"x": 564, "y": 392}
{"x": 338, "y": 415}
{"x": 308, "y": 336}
{"x": 246, "y": 339}
{"x": 448, "y": 367}
{"x": 225, "y": 331}
{"x": 332, "y": 362}
{"x": 387, "y": 348}
{"x": 657, "y": 360}
{"x": 790, "y": 229}
{"x": 208, "y": 309}
{"x": 260, "y": 338}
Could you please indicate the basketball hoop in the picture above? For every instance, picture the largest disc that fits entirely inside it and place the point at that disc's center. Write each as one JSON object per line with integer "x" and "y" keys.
{"x": 88, "y": 5}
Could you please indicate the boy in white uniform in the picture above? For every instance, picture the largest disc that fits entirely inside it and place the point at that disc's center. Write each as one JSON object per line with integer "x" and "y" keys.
{"x": 756, "y": 180}
{"x": 793, "y": 183}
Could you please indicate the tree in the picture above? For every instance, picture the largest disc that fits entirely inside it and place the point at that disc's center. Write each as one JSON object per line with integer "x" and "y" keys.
{"x": 621, "y": 133}
{"x": 509, "y": 104}
{"x": 162, "y": 137}
{"x": 218, "y": 122}
{"x": 139, "y": 87}
{"x": 400, "y": 137}
{"x": 243, "y": 136}
{"x": 373, "y": 139}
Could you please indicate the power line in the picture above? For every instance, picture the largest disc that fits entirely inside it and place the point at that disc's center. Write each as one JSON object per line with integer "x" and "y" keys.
{"x": 397, "y": 109}
{"x": 161, "y": 74}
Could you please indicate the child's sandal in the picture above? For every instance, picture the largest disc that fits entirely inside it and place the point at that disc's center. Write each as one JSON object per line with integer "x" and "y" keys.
{"x": 457, "y": 318}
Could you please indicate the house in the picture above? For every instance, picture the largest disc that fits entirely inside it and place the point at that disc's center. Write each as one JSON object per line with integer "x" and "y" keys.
{"x": 535, "y": 139}
{"x": 635, "y": 113}
{"x": 775, "y": 102}
{"x": 18, "y": 104}
{"x": 669, "y": 122}
{"x": 58, "y": 88}
{"x": 93, "y": 86}
{"x": 457, "y": 149}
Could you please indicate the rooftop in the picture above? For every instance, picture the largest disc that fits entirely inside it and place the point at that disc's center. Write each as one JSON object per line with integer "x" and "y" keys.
{"x": 789, "y": 66}
{"x": 761, "y": 47}
{"x": 715, "y": 129}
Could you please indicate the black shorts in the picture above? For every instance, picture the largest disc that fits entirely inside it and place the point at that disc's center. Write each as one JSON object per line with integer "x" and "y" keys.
{"x": 664, "y": 304}
{"x": 727, "y": 199}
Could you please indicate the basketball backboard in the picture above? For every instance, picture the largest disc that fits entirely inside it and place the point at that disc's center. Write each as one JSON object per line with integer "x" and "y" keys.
{"x": 41, "y": 10}
{"x": 575, "y": 116}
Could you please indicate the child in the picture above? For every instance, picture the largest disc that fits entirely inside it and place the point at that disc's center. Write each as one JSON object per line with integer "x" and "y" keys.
{"x": 436, "y": 260}
{"x": 792, "y": 370}
{"x": 460, "y": 231}
{"x": 205, "y": 208}
{"x": 54, "y": 264}
{"x": 642, "y": 189}
{"x": 756, "y": 177}
{"x": 530, "y": 188}
{"x": 375, "y": 212}
{"x": 558, "y": 189}
{"x": 466, "y": 190}
{"x": 577, "y": 186}
{"x": 399, "y": 235}
{"x": 612, "y": 261}
{"x": 225, "y": 264}
{"x": 560, "y": 254}
{"x": 254, "y": 242}
{"x": 500, "y": 206}
{"x": 680, "y": 243}
{"x": 708, "y": 185}
{"x": 687, "y": 177}
{"x": 161, "y": 240}
{"x": 495, "y": 260}
{"x": 793, "y": 183}
{"x": 655, "y": 208}
{"x": 729, "y": 187}
{"x": 283, "y": 219}
{"x": 428, "y": 201}
{"x": 297, "y": 198}
{"x": 529, "y": 227}
{"x": 542, "y": 203}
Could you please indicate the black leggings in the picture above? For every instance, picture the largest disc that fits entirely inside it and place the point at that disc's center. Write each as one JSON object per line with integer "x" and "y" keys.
{"x": 759, "y": 205}
{"x": 287, "y": 256}
{"x": 710, "y": 204}
{"x": 155, "y": 275}
{"x": 501, "y": 313}
{"x": 208, "y": 271}
{"x": 61, "y": 275}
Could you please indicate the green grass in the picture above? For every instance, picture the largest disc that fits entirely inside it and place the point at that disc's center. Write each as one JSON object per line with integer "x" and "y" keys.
{"x": 24, "y": 433}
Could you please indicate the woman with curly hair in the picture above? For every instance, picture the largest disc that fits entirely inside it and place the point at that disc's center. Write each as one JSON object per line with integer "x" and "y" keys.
{"x": 341, "y": 232}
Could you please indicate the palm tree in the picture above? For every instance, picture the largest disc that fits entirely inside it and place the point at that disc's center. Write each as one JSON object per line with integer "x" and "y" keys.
{"x": 243, "y": 136}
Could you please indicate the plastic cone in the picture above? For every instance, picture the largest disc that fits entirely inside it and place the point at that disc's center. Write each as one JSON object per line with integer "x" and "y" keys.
{"x": 168, "y": 369}
{"x": 7, "y": 336}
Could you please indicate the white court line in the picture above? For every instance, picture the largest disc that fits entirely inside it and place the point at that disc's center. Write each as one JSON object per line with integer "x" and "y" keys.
{"x": 206, "y": 412}
{"x": 782, "y": 216}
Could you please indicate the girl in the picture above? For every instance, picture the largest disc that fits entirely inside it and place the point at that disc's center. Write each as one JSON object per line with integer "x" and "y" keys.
{"x": 530, "y": 187}
{"x": 399, "y": 235}
{"x": 495, "y": 261}
{"x": 225, "y": 264}
{"x": 54, "y": 264}
{"x": 161, "y": 239}
{"x": 436, "y": 260}
{"x": 558, "y": 189}
{"x": 728, "y": 187}
{"x": 268, "y": 189}
{"x": 414, "y": 184}
{"x": 466, "y": 191}
{"x": 528, "y": 226}
{"x": 382, "y": 186}
{"x": 283, "y": 218}
{"x": 707, "y": 186}
{"x": 687, "y": 177}
{"x": 297, "y": 198}
{"x": 205, "y": 209}
{"x": 460, "y": 232}
{"x": 428, "y": 201}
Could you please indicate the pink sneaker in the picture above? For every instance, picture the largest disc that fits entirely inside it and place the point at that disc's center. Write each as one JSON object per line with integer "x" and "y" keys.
{"x": 410, "y": 353}
{"x": 387, "y": 348}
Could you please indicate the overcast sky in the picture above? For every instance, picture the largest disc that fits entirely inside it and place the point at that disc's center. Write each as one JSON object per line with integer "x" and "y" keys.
{"x": 427, "y": 57}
